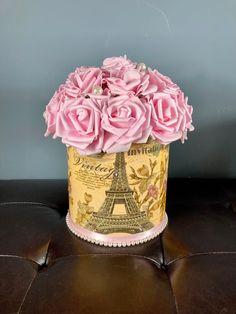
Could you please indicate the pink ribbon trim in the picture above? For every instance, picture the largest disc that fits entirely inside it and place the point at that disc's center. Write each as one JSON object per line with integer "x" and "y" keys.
{"x": 115, "y": 240}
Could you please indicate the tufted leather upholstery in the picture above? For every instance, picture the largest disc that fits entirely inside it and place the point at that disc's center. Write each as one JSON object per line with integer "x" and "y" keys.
{"x": 190, "y": 268}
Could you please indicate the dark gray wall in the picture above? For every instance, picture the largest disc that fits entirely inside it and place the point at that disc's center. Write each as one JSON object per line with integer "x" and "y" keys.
{"x": 193, "y": 42}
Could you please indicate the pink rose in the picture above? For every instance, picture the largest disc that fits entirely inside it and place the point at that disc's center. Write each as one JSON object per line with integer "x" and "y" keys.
{"x": 79, "y": 125}
{"x": 126, "y": 120}
{"x": 139, "y": 83}
{"x": 82, "y": 80}
{"x": 164, "y": 80}
{"x": 171, "y": 117}
{"x": 116, "y": 66}
{"x": 133, "y": 82}
{"x": 186, "y": 111}
{"x": 52, "y": 109}
{"x": 126, "y": 84}
{"x": 149, "y": 84}
{"x": 153, "y": 81}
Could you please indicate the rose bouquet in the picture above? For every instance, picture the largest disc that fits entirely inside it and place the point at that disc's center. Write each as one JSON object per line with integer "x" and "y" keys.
{"x": 108, "y": 117}
{"x": 109, "y": 108}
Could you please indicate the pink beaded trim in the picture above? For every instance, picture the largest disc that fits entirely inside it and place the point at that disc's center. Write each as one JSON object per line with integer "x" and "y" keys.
{"x": 115, "y": 240}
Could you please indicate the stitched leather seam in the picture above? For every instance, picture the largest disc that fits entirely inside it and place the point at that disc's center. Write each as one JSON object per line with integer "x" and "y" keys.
{"x": 20, "y": 257}
{"x": 53, "y": 206}
{"x": 173, "y": 293}
{"x": 200, "y": 254}
{"x": 26, "y": 293}
{"x": 107, "y": 255}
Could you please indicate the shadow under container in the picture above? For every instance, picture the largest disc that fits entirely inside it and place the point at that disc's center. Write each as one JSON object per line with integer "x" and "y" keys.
{"x": 118, "y": 199}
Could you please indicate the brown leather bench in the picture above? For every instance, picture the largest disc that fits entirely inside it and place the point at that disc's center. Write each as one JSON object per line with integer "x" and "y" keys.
{"x": 190, "y": 268}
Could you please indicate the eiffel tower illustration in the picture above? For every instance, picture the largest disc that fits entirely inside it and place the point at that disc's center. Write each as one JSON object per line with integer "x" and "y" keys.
{"x": 105, "y": 221}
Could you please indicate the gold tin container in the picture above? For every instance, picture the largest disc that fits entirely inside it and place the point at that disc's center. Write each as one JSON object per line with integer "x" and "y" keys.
{"x": 118, "y": 199}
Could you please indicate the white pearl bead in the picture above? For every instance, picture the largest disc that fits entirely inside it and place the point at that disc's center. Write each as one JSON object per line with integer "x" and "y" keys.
{"x": 97, "y": 90}
{"x": 141, "y": 66}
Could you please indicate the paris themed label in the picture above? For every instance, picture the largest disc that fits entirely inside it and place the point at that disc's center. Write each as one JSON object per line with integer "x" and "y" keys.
{"x": 120, "y": 193}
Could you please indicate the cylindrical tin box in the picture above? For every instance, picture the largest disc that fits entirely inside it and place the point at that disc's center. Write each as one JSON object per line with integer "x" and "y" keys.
{"x": 118, "y": 199}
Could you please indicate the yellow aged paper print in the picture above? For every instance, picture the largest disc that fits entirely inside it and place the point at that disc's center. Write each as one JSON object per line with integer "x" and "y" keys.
{"x": 122, "y": 193}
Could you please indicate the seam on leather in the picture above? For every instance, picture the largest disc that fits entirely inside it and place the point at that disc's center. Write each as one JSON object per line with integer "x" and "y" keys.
{"x": 36, "y": 273}
{"x": 165, "y": 270}
{"x": 23, "y": 203}
{"x": 173, "y": 293}
{"x": 163, "y": 262}
{"x": 26, "y": 293}
{"x": 200, "y": 254}
{"x": 152, "y": 260}
{"x": 53, "y": 206}
{"x": 20, "y": 257}
{"x": 46, "y": 260}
